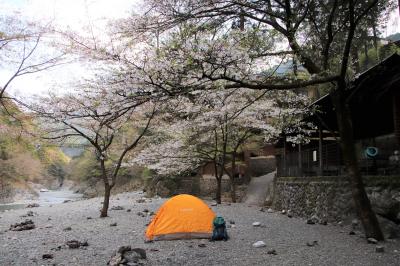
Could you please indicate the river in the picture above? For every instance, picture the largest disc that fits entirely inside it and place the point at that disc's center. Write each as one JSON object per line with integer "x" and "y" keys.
{"x": 45, "y": 198}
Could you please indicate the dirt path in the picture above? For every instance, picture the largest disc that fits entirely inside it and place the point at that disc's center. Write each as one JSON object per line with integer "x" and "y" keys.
{"x": 258, "y": 190}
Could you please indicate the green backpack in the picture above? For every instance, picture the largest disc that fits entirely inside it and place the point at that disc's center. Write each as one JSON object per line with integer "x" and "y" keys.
{"x": 219, "y": 231}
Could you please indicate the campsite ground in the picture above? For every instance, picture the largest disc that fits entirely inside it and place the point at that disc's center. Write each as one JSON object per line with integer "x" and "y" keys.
{"x": 288, "y": 236}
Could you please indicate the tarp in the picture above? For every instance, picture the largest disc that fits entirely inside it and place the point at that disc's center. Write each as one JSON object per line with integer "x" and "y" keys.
{"x": 181, "y": 217}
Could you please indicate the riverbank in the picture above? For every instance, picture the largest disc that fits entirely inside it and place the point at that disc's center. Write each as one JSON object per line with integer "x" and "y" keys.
{"x": 57, "y": 224}
{"x": 45, "y": 197}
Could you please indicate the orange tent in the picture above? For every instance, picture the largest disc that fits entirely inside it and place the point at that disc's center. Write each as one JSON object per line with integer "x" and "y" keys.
{"x": 181, "y": 217}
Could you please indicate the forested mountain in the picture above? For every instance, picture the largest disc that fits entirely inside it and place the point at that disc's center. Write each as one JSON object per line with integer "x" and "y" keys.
{"x": 25, "y": 160}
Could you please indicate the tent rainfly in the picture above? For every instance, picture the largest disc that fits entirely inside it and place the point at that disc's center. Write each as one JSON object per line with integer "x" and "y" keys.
{"x": 181, "y": 217}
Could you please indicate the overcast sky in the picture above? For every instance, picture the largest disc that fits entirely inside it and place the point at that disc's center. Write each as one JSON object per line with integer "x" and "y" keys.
{"x": 74, "y": 14}
{"x": 65, "y": 13}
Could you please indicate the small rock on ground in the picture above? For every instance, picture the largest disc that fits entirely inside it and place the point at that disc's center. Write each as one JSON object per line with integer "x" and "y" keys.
{"x": 26, "y": 225}
{"x": 47, "y": 256}
{"x": 259, "y": 244}
{"x": 272, "y": 252}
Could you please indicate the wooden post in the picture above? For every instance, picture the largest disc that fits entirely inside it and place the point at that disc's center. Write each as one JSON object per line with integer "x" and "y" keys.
{"x": 320, "y": 151}
{"x": 284, "y": 156}
{"x": 300, "y": 161}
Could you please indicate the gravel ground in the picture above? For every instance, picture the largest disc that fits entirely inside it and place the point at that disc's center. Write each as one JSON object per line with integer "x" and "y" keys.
{"x": 288, "y": 236}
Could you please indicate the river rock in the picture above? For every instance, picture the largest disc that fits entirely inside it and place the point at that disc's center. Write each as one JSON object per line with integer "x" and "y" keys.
{"x": 33, "y": 205}
{"x": 47, "y": 256}
{"x": 113, "y": 224}
{"x": 380, "y": 249}
{"x": 313, "y": 243}
{"x": 313, "y": 220}
{"x": 117, "y": 208}
{"x": 259, "y": 244}
{"x": 310, "y": 221}
{"x": 372, "y": 240}
{"x": 73, "y": 244}
{"x": 385, "y": 203}
{"x": 390, "y": 229}
{"x": 125, "y": 255}
{"x": 141, "y": 214}
{"x": 272, "y": 252}
{"x": 256, "y": 224}
{"x": 29, "y": 214}
{"x": 26, "y": 225}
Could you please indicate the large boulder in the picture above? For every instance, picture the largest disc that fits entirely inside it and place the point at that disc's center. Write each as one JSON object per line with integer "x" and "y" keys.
{"x": 387, "y": 204}
{"x": 390, "y": 229}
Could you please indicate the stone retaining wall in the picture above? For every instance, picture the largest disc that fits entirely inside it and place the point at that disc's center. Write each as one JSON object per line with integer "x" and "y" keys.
{"x": 330, "y": 198}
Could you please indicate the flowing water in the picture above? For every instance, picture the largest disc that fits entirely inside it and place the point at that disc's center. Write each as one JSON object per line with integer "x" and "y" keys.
{"x": 45, "y": 198}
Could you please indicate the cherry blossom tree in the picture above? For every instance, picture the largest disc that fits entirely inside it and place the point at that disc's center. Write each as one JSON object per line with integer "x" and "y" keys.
{"x": 98, "y": 116}
{"x": 214, "y": 126}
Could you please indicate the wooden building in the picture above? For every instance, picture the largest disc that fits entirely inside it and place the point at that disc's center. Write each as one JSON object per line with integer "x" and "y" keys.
{"x": 374, "y": 99}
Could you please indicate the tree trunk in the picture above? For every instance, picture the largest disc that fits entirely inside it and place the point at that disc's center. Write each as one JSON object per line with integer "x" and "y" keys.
{"x": 232, "y": 177}
{"x": 218, "y": 192}
{"x": 106, "y": 202}
{"x": 361, "y": 201}
{"x": 219, "y": 186}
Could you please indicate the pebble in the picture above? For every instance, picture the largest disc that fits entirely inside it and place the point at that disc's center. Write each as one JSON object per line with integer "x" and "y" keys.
{"x": 283, "y": 211}
{"x": 270, "y": 210}
{"x": 372, "y": 240}
{"x": 313, "y": 243}
{"x": 380, "y": 249}
{"x": 68, "y": 228}
{"x": 73, "y": 244}
{"x": 272, "y": 252}
{"x": 259, "y": 244}
{"x": 256, "y": 224}
{"x": 310, "y": 221}
{"x": 117, "y": 208}
{"x": 47, "y": 256}
{"x": 113, "y": 224}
